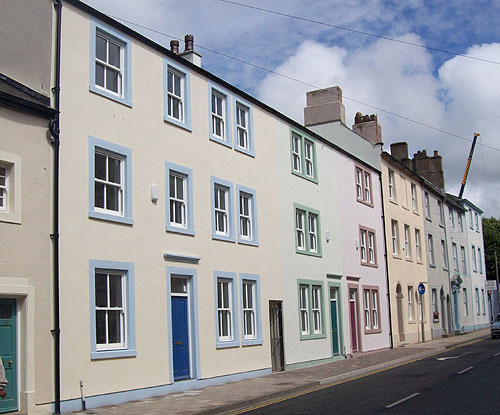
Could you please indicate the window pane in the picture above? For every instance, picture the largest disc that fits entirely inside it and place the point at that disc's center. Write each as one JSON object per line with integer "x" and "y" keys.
{"x": 100, "y": 48}
{"x": 99, "y": 195}
{"x": 177, "y": 85}
{"x": 114, "y": 55}
{"x": 100, "y": 166}
{"x": 101, "y": 290}
{"x": 115, "y": 290}
{"x": 225, "y": 295}
{"x": 111, "y": 80}
{"x": 172, "y": 185}
{"x": 180, "y": 188}
{"x": 114, "y": 327}
{"x": 99, "y": 74}
{"x": 219, "y": 295}
{"x": 170, "y": 82}
{"x": 114, "y": 170}
{"x": 112, "y": 198}
{"x": 100, "y": 326}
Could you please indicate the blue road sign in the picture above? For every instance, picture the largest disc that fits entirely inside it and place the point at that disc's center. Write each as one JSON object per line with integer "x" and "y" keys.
{"x": 421, "y": 289}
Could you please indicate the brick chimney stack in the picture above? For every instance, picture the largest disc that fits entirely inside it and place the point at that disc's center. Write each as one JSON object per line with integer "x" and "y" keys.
{"x": 400, "y": 152}
{"x": 189, "y": 52}
{"x": 324, "y": 106}
{"x": 174, "y": 46}
{"x": 367, "y": 127}
{"x": 429, "y": 167}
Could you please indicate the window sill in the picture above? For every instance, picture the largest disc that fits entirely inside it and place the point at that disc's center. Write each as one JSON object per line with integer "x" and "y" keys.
{"x": 229, "y": 238}
{"x": 309, "y": 253}
{"x": 406, "y": 207}
{"x": 409, "y": 260}
{"x": 373, "y": 331}
{"x": 429, "y": 219}
{"x": 173, "y": 121}
{"x": 432, "y": 265}
{"x": 183, "y": 231}
{"x": 111, "y": 218}
{"x": 250, "y": 153}
{"x": 248, "y": 242}
{"x": 397, "y": 257}
{"x": 415, "y": 212}
{"x": 303, "y": 176}
{"x": 366, "y": 264}
{"x": 112, "y": 354}
{"x": 218, "y": 140}
{"x": 252, "y": 342}
{"x": 227, "y": 344}
{"x": 121, "y": 100}
{"x": 393, "y": 201}
{"x": 435, "y": 320}
{"x": 364, "y": 202}
{"x": 10, "y": 217}
{"x": 420, "y": 262}
{"x": 312, "y": 336}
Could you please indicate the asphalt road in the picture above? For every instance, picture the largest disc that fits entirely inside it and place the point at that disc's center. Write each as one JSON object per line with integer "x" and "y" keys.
{"x": 465, "y": 380}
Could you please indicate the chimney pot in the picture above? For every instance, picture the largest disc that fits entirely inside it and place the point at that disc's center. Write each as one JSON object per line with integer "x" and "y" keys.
{"x": 188, "y": 43}
{"x": 174, "y": 46}
{"x": 436, "y": 153}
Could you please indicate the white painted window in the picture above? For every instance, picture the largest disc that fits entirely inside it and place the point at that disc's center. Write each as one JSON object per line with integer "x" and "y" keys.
{"x": 460, "y": 221}
{"x": 246, "y": 216}
{"x": 404, "y": 191}
{"x": 444, "y": 253}
{"x": 414, "y": 201}
{"x": 309, "y": 158}
{"x": 375, "y": 313}
{"x": 441, "y": 213}
{"x": 367, "y": 246}
{"x": 480, "y": 260}
{"x": 304, "y": 309}
{"x": 411, "y": 312}
{"x": 362, "y": 243}
{"x": 109, "y": 64}
{"x": 175, "y": 94}
{"x": 474, "y": 260}
{"x": 218, "y": 115}
{"x": 418, "y": 245}
{"x": 477, "y": 221}
{"x": 435, "y": 309}
{"x": 482, "y": 300}
{"x": 427, "y": 205}
{"x": 430, "y": 248}
{"x": 363, "y": 186}
{"x": 221, "y": 206}
{"x": 471, "y": 219}
{"x": 407, "y": 242}
{"x": 478, "y": 304}
{"x": 108, "y": 183}
{"x": 224, "y": 309}
{"x": 297, "y": 152}
{"x": 371, "y": 248}
{"x": 359, "y": 183}
{"x": 300, "y": 229}
{"x": 313, "y": 232}
{"x": 464, "y": 264}
{"x": 395, "y": 237}
{"x": 248, "y": 300}
{"x": 366, "y": 306}
{"x": 451, "y": 216}
{"x": 4, "y": 188}
{"x": 178, "y": 200}
{"x": 466, "y": 303}
{"x": 110, "y": 310}
{"x": 392, "y": 187}
{"x": 242, "y": 127}
{"x": 368, "y": 187}
{"x": 316, "y": 309}
{"x": 455, "y": 256}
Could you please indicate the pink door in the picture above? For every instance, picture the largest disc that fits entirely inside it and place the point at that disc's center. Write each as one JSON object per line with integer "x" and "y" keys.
{"x": 354, "y": 330}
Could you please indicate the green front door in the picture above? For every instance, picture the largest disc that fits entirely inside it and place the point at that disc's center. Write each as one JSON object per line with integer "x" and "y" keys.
{"x": 8, "y": 352}
{"x": 335, "y": 328}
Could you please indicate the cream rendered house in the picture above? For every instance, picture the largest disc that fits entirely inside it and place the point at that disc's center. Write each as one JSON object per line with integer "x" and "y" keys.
{"x": 406, "y": 247}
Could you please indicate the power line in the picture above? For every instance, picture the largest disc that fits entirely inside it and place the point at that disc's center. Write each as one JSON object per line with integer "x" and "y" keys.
{"x": 360, "y": 32}
{"x": 308, "y": 84}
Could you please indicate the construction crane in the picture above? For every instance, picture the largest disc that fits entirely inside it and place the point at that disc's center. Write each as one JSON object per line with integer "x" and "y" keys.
{"x": 467, "y": 167}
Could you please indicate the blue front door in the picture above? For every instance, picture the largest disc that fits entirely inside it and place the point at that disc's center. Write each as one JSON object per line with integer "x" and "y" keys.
{"x": 8, "y": 352}
{"x": 180, "y": 337}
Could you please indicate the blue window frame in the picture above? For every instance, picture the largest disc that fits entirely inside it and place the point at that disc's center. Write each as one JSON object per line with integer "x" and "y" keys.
{"x": 251, "y": 325}
{"x": 177, "y": 95}
{"x": 243, "y": 127}
{"x": 221, "y": 192}
{"x": 246, "y": 201}
{"x": 219, "y": 104}
{"x": 179, "y": 195}
{"x": 110, "y": 59}
{"x": 112, "y": 309}
{"x": 110, "y": 181}
{"x": 226, "y": 316}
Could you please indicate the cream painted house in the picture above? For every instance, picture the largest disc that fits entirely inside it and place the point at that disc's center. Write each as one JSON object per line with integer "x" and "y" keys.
{"x": 406, "y": 248}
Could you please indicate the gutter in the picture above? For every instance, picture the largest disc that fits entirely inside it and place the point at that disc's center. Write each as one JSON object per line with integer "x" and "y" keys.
{"x": 54, "y": 126}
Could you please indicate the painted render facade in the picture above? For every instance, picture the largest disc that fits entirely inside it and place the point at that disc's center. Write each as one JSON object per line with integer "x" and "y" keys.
{"x": 204, "y": 237}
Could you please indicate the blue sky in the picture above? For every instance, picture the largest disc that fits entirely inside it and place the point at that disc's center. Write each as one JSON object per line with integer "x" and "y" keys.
{"x": 455, "y": 94}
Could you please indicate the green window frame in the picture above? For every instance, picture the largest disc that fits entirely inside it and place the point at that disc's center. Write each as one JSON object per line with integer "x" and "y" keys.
{"x": 312, "y": 309}
{"x": 307, "y": 225}
{"x": 303, "y": 156}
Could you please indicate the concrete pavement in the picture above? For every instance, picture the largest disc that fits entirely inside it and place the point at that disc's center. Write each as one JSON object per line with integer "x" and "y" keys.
{"x": 238, "y": 395}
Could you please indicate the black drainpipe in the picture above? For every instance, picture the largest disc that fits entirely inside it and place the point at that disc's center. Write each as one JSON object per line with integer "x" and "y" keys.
{"x": 54, "y": 130}
{"x": 386, "y": 262}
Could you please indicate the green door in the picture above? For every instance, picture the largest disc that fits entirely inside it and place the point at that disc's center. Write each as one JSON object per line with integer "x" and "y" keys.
{"x": 8, "y": 352}
{"x": 335, "y": 328}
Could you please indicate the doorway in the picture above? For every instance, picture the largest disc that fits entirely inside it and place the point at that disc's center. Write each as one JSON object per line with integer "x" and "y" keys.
{"x": 181, "y": 342}
{"x": 276, "y": 327}
{"x": 353, "y": 306}
{"x": 334, "y": 317}
{"x": 8, "y": 352}
{"x": 399, "y": 306}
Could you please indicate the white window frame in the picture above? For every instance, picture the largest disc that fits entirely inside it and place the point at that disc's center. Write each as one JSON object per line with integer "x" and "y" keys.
{"x": 180, "y": 99}
{"x": 242, "y": 128}
{"x": 477, "y": 221}
{"x": 407, "y": 242}
{"x": 225, "y": 309}
{"x": 464, "y": 263}
{"x": 435, "y": 308}
{"x": 366, "y": 307}
{"x": 296, "y": 153}
{"x": 250, "y": 313}
{"x": 309, "y": 159}
{"x": 441, "y": 213}
{"x": 12, "y": 210}
{"x": 4, "y": 187}
{"x": 222, "y": 217}
{"x": 363, "y": 183}
{"x": 303, "y": 156}
{"x": 414, "y": 201}
{"x": 300, "y": 218}
{"x": 466, "y": 303}
{"x": 107, "y": 66}
{"x": 411, "y": 311}
{"x": 474, "y": 260}
{"x": 451, "y": 217}
{"x": 471, "y": 219}
{"x": 404, "y": 192}
{"x": 444, "y": 253}
{"x": 367, "y": 246}
{"x": 460, "y": 221}
{"x": 310, "y": 304}
{"x": 105, "y": 182}
{"x": 478, "y": 304}
{"x": 480, "y": 260}
{"x": 316, "y": 309}
{"x": 219, "y": 119}
{"x": 395, "y": 237}
{"x": 455, "y": 256}
{"x": 178, "y": 203}
{"x": 304, "y": 309}
{"x": 186, "y": 174}
{"x": 430, "y": 250}
{"x": 392, "y": 187}
{"x": 418, "y": 245}
{"x": 307, "y": 231}
{"x": 483, "y": 300}
{"x": 427, "y": 205}
{"x": 371, "y": 306}
{"x": 221, "y": 210}
{"x": 247, "y": 216}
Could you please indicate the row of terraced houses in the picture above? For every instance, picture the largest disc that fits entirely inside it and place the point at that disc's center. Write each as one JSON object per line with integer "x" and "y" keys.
{"x": 163, "y": 230}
